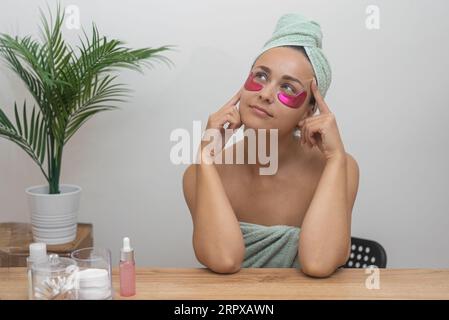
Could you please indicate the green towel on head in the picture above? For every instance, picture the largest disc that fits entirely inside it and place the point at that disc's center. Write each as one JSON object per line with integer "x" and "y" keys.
{"x": 296, "y": 30}
{"x": 270, "y": 246}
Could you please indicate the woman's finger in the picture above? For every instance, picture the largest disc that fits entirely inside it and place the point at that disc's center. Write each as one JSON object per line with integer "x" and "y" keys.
{"x": 307, "y": 133}
{"x": 310, "y": 119}
{"x": 314, "y": 129}
{"x": 304, "y": 134}
{"x": 235, "y": 99}
{"x": 322, "y": 106}
{"x": 227, "y": 109}
{"x": 307, "y": 137}
{"x": 304, "y": 127}
{"x": 234, "y": 121}
{"x": 314, "y": 119}
{"x": 231, "y": 103}
{"x": 236, "y": 113}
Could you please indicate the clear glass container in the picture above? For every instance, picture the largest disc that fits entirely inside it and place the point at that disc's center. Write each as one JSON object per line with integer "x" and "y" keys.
{"x": 95, "y": 273}
{"x": 55, "y": 279}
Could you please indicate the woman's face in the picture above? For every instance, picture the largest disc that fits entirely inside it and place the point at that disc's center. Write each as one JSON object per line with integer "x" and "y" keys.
{"x": 279, "y": 83}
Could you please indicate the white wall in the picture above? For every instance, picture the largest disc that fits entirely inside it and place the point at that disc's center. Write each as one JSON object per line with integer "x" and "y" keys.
{"x": 388, "y": 94}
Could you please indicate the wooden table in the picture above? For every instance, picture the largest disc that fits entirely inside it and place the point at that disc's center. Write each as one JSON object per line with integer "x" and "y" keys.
{"x": 15, "y": 239}
{"x": 263, "y": 283}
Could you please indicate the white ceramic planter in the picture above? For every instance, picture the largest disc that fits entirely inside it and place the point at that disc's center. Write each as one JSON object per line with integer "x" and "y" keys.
{"x": 54, "y": 216}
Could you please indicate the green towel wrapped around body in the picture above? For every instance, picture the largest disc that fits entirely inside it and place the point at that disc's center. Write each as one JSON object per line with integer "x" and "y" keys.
{"x": 270, "y": 246}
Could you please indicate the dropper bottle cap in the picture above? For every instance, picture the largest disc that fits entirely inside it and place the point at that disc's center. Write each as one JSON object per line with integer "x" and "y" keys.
{"x": 127, "y": 253}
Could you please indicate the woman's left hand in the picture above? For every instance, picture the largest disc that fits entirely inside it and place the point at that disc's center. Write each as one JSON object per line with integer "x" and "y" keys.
{"x": 321, "y": 130}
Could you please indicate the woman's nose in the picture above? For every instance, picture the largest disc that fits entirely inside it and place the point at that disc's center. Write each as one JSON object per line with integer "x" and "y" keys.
{"x": 267, "y": 93}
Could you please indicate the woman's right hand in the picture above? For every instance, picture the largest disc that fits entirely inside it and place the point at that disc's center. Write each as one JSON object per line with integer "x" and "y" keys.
{"x": 229, "y": 113}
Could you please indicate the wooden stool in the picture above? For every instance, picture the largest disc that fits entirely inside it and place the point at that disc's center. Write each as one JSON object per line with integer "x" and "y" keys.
{"x": 15, "y": 239}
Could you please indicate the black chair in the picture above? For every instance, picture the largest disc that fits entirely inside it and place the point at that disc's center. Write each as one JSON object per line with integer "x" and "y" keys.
{"x": 365, "y": 253}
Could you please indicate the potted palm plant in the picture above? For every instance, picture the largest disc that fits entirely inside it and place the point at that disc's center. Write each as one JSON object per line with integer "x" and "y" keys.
{"x": 68, "y": 87}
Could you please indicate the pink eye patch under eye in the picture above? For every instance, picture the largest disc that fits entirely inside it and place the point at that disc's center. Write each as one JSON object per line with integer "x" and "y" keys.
{"x": 292, "y": 101}
{"x": 252, "y": 85}
{"x": 295, "y": 101}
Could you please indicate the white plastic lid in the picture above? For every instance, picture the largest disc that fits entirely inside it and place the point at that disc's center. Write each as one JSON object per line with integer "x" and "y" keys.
{"x": 38, "y": 251}
{"x": 55, "y": 264}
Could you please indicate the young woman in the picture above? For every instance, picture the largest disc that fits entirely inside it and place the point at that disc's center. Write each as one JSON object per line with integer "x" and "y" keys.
{"x": 300, "y": 216}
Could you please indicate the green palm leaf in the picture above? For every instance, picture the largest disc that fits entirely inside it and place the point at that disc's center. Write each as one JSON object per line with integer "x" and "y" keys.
{"x": 31, "y": 141}
{"x": 68, "y": 86}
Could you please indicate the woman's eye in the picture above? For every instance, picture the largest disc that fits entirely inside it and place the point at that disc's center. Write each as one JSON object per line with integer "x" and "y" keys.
{"x": 261, "y": 76}
{"x": 289, "y": 89}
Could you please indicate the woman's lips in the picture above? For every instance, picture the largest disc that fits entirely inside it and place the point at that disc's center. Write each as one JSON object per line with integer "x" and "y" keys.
{"x": 260, "y": 111}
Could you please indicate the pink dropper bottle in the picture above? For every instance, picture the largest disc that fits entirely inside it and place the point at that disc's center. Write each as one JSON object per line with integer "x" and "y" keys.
{"x": 127, "y": 270}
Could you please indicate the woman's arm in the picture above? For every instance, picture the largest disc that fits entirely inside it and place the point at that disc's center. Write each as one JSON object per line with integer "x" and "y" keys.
{"x": 325, "y": 237}
{"x": 217, "y": 239}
